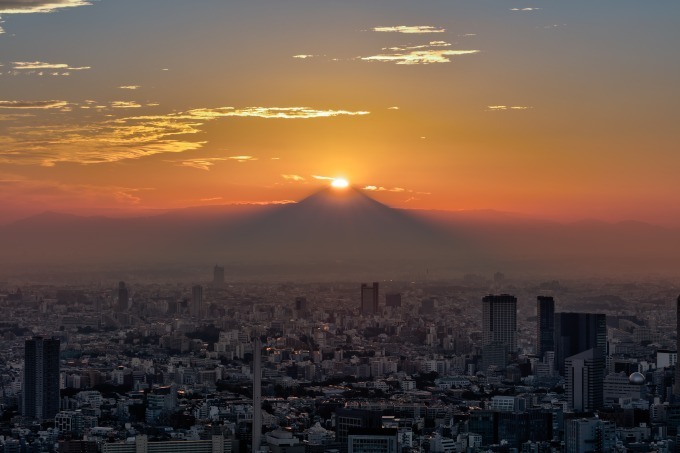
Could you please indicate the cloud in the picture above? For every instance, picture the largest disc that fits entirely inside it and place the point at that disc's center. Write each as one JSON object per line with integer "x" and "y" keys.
{"x": 410, "y": 29}
{"x": 37, "y": 65}
{"x": 421, "y": 54}
{"x": 271, "y": 112}
{"x": 374, "y": 188}
{"x": 323, "y": 178}
{"x": 130, "y": 87}
{"x": 33, "y": 104}
{"x": 303, "y": 56}
{"x": 500, "y": 108}
{"x": 106, "y": 138}
{"x": 393, "y": 108}
{"x": 296, "y": 178}
{"x": 36, "y": 195}
{"x": 202, "y": 163}
{"x": 524, "y": 9}
{"x": 37, "y": 6}
{"x": 242, "y": 159}
{"x": 125, "y": 105}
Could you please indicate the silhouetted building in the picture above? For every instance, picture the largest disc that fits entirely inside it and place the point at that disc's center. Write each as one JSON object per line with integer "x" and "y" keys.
{"x": 579, "y": 332}
{"x": 377, "y": 440}
{"x": 123, "y": 297}
{"x": 300, "y": 304}
{"x": 40, "y": 399}
{"x": 584, "y": 380}
{"x": 197, "y": 301}
{"x": 369, "y": 299}
{"x": 218, "y": 276}
{"x": 589, "y": 434}
{"x": 499, "y": 320}
{"x": 545, "y": 325}
{"x": 427, "y": 306}
{"x": 393, "y": 300}
{"x": 347, "y": 419}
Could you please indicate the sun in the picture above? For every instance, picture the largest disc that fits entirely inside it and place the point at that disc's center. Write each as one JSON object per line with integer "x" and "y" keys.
{"x": 340, "y": 183}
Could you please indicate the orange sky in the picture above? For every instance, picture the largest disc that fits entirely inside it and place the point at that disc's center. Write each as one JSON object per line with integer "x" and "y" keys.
{"x": 561, "y": 110}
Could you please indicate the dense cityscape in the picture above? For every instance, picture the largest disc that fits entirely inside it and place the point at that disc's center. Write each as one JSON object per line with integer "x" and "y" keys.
{"x": 476, "y": 363}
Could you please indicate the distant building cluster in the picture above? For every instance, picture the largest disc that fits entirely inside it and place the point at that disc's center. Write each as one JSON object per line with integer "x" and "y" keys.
{"x": 467, "y": 365}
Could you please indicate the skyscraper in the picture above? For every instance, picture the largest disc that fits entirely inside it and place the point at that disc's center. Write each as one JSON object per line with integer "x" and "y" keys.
{"x": 41, "y": 378}
{"x": 578, "y": 332}
{"x": 123, "y": 297}
{"x": 218, "y": 276}
{"x": 499, "y": 320}
{"x": 545, "y": 325}
{"x": 584, "y": 380}
{"x": 197, "y": 301}
{"x": 369, "y": 299}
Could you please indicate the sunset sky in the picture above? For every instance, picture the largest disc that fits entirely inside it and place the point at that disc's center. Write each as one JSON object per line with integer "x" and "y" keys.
{"x": 562, "y": 109}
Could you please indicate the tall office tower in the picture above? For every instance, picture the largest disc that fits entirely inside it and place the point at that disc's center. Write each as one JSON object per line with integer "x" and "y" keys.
{"x": 369, "y": 299}
{"x": 197, "y": 301}
{"x": 578, "y": 332}
{"x": 499, "y": 320}
{"x": 584, "y": 380}
{"x": 676, "y": 386}
{"x": 41, "y": 378}
{"x": 218, "y": 276}
{"x": 393, "y": 300}
{"x": 123, "y": 297}
{"x": 545, "y": 325}
{"x": 257, "y": 394}
{"x": 300, "y": 304}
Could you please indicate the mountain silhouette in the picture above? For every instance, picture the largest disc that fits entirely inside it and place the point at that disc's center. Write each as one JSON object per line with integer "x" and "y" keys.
{"x": 337, "y": 224}
{"x": 347, "y": 228}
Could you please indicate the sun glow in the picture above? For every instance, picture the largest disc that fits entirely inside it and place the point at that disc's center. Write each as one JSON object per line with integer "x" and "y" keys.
{"x": 340, "y": 183}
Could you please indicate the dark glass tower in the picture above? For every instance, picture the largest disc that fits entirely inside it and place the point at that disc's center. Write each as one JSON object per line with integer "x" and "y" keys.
{"x": 369, "y": 299}
{"x": 579, "y": 332}
{"x": 545, "y": 325}
{"x": 499, "y": 320}
{"x": 123, "y": 297}
{"x": 41, "y": 378}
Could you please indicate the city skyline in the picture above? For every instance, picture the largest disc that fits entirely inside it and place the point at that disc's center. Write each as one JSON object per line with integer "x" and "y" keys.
{"x": 557, "y": 110}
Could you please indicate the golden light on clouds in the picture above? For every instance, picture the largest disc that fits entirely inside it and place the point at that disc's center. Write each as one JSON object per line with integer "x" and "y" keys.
{"x": 33, "y": 104}
{"x": 410, "y": 29}
{"x": 37, "y": 65}
{"x": 433, "y": 52}
{"x": 109, "y": 139}
{"x": 37, "y": 6}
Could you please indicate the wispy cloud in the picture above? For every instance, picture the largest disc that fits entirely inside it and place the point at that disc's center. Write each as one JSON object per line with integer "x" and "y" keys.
{"x": 38, "y": 65}
{"x": 202, "y": 163}
{"x": 384, "y": 189}
{"x": 410, "y": 29}
{"x": 323, "y": 178}
{"x": 272, "y": 112}
{"x": 524, "y": 9}
{"x": 106, "y": 138}
{"x": 36, "y": 195}
{"x": 37, "y": 6}
{"x": 433, "y": 52}
{"x": 303, "y": 56}
{"x": 125, "y": 105}
{"x": 500, "y": 108}
{"x": 33, "y": 104}
{"x": 242, "y": 159}
{"x": 130, "y": 87}
{"x": 295, "y": 178}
